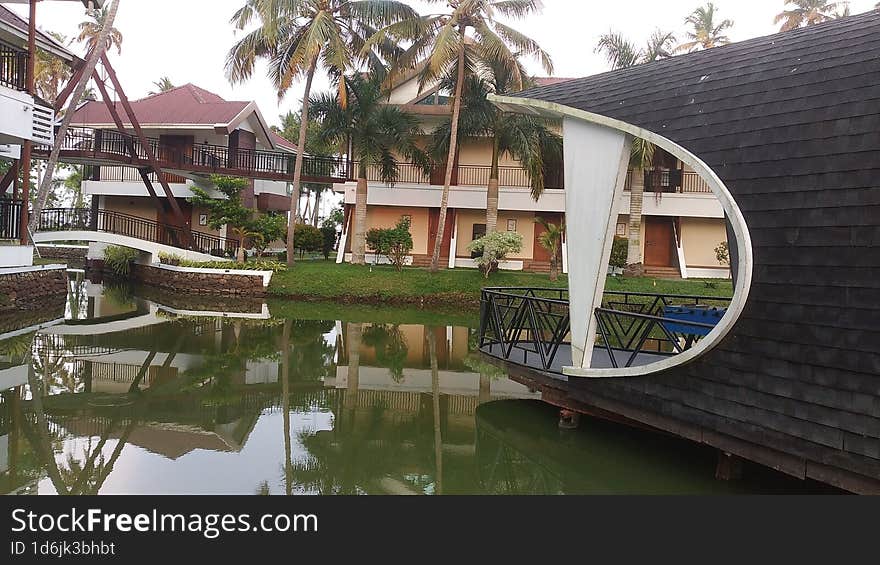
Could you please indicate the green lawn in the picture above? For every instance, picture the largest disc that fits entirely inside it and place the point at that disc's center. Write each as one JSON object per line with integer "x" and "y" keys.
{"x": 324, "y": 280}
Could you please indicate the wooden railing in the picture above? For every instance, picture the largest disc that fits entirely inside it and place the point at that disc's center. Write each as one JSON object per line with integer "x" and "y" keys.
{"x": 71, "y": 219}
{"x": 463, "y": 175}
{"x": 13, "y": 67}
{"x": 10, "y": 219}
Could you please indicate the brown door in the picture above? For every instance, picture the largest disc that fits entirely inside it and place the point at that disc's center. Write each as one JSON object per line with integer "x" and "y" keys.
{"x": 171, "y": 226}
{"x": 659, "y": 246}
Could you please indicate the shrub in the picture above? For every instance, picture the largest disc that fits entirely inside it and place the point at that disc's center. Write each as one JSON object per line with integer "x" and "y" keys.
{"x": 722, "y": 253}
{"x": 119, "y": 259}
{"x": 265, "y": 229}
{"x": 259, "y": 265}
{"x": 495, "y": 248}
{"x": 395, "y": 243}
{"x": 307, "y": 238}
{"x": 329, "y": 233}
{"x": 619, "y": 252}
{"x": 169, "y": 258}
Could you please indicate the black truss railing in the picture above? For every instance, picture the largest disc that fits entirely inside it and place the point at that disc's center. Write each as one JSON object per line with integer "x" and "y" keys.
{"x": 10, "y": 218}
{"x": 203, "y": 157}
{"x": 13, "y": 67}
{"x": 67, "y": 219}
{"x": 531, "y": 326}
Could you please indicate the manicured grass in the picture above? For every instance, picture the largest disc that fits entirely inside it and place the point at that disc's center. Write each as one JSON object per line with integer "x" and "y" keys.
{"x": 324, "y": 280}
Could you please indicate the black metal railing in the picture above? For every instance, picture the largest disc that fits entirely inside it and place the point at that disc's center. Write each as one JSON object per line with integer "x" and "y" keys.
{"x": 13, "y": 67}
{"x": 202, "y": 158}
{"x": 532, "y": 327}
{"x": 10, "y": 218}
{"x": 674, "y": 181}
{"x": 70, "y": 219}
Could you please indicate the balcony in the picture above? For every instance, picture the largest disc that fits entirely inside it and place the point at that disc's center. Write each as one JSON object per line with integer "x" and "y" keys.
{"x": 13, "y": 67}
{"x": 462, "y": 175}
{"x": 671, "y": 181}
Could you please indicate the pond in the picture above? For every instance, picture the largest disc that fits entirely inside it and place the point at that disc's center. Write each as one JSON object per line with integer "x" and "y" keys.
{"x": 135, "y": 392}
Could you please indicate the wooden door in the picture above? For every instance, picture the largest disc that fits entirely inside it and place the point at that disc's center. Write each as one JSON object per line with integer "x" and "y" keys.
{"x": 169, "y": 221}
{"x": 659, "y": 242}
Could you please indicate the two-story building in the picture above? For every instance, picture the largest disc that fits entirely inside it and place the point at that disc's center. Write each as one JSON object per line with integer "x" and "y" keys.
{"x": 682, "y": 221}
{"x": 199, "y": 128}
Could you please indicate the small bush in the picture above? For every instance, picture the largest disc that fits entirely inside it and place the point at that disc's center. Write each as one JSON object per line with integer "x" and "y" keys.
{"x": 329, "y": 233}
{"x": 722, "y": 253}
{"x": 307, "y": 239}
{"x": 619, "y": 252}
{"x": 169, "y": 258}
{"x": 260, "y": 265}
{"x": 495, "y": 248}
{"x": 119, "y": 259}
{"x": 395, "y": 243}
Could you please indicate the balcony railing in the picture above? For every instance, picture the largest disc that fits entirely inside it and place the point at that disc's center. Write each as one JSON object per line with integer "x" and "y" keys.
{"x": 671, "y": 181}
{"x": 463, "y": 175}
{"x": 10, "y": 218}
{"x": 532, "y": 327}
{"x": 13, "y": 67}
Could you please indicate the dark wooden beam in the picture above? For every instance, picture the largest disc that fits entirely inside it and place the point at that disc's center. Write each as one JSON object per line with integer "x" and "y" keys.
{"x": 9, "y": 179}
{"x": 148, "y": 150}
{"x": 128, "y": 144}
{"x": 71, "y": 85}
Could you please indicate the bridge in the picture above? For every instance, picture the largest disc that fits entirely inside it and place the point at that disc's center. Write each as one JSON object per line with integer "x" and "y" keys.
{"x": 114, "y": 228}
{"x": 88, "y": 146}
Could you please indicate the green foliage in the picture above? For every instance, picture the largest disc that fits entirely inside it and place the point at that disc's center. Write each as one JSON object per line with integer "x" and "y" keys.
{"x": 619, "y": 252}
{"x": 119, "y": 259}
{"x": 308, "y": 239}
{"x": 722, "y": 253}
{"x": 495, "y": 248}
{"x": 335, "y": 219}
{"x": 169, "y": 258}
{"x": 395, "y": 243}
{"x": 391, "y": 348}
{"x": 265, "y": 229}
{"x": 329, "y": 233}
{"x": 259, "y": 265}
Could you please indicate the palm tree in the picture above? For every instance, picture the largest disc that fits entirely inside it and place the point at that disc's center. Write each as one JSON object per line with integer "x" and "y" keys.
{"x": 298, "y": 36}
{"x": 441, "y": 43}
{"x": 50, "y": 71}
{"x": 378, "y": 135}
{"x": 809, "y": 12}
{"x": 551, "y": 240}
{"x": 622, "y": 53}
{"x": 705, "y": 34}
{"x": 90, "y": 29}
{"x": 527, "y": 139}
{"x": 641, "y": 159}
{"x": 164, "y": 84}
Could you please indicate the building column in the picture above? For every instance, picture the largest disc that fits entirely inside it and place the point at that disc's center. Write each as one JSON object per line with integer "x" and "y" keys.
{"x": 453, "y": 246}
{"x": 243, "y": 140}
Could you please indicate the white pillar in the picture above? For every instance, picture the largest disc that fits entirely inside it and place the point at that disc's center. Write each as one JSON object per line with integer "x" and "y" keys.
{"x": 596, "y": 161}
{"x": 454, "y": 243}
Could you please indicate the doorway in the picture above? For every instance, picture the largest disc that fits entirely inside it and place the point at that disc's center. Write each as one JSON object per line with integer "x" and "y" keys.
{"x": 659, "y": 242}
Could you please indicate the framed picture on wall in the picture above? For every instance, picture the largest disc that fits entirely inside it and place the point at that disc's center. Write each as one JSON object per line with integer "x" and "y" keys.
{"x": 203, "y": 219}
{"x": 511, "y": 225}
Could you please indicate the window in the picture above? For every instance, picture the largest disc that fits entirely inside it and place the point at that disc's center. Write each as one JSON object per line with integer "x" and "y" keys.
{"x": 622, "y": 230}
{"x": 511, "y": 225}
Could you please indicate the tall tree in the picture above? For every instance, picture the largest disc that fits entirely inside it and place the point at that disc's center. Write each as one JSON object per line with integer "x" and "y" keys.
{"x": 705, "y": 32}
{"x": 801, "y": 13}
{"x": 91, "y": 29}
{"x": 298, "y": 36}
{"x": 315, "y": 147}
{"x": 622, "y": 53}
{"x": 379, "y": 134}
{"x": 164, "y": 84}
{"x": 458, "y": 41}
{"x": 51, "y": 72}
{"x": 527, "y": 139}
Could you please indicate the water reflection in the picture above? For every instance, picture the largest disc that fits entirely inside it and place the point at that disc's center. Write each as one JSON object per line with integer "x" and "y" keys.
{"x": 124, "y": 392}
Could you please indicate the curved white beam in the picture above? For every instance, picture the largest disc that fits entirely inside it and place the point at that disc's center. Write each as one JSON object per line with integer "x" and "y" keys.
{"x": 744, "y": 268}
{"x": 121, "y": 240}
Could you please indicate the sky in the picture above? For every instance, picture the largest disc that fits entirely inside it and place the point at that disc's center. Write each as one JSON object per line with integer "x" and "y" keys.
{"x": 188, "y": 40}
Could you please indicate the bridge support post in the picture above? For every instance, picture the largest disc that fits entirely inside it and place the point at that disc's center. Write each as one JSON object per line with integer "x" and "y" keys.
{"x": 569, "y": 419}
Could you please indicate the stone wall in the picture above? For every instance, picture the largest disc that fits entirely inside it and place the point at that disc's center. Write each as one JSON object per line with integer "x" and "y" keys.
{"x": 32, "y": 289}
{"x": 218, "y": 284}
{"x": 63, "y": 251}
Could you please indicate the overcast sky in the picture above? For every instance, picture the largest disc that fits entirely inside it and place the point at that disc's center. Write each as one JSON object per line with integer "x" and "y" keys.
{"x": 187, "y": 40}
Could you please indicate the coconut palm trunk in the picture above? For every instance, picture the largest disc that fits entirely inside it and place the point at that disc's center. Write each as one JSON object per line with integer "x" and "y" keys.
{"x": 298, "y": 167}
{"x": 634, "y": 262}
{"x": 450, "y": 161}
{"x": 492, "y": 196}
{"x": 359, "y": 246}
{"x": 91, "y": 63}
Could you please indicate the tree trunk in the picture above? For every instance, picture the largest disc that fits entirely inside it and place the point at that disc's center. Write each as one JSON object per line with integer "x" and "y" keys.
{"x": 359, "y": 244}
{"x": 435, "y": 396}
{"x": 75, "y": 97}
{"x": 634, "y": 263}
{"x": 554, "y": 266}
{"x": 298, "y": 167}
{"x": 285, "y": 405}
{"x": 492, "y": 196}
{"x": 317, "y": 210}
{"x": 450, "y": 161}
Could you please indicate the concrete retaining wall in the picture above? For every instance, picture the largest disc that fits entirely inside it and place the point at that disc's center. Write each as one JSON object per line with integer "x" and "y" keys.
{"x": 32, "y": 288}
{"x": 202, "y": 281}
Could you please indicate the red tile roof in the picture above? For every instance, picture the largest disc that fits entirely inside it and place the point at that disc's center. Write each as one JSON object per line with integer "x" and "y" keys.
{"x": 282, "y": 142}
{"x": 184, "y": 105}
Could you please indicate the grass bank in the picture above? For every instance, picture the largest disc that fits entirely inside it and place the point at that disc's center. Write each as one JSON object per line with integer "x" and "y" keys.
{"x": 351, "y": 284}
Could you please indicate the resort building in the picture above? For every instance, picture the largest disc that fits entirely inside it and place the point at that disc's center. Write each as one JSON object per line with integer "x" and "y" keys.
{"x": 192, "y": 129}
{"x": 679, "y": 220}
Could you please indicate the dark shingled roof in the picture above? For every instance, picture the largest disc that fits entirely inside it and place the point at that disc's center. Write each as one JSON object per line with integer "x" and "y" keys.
{"x": 791, "y": 124}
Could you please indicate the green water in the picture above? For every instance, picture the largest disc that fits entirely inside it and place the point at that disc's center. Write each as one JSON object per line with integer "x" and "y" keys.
{"x": 123, "y": 392}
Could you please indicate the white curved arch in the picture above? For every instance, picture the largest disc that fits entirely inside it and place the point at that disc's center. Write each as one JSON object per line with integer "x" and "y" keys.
{"x": 122, "y": 240}
{"x": 744, "y": 267}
